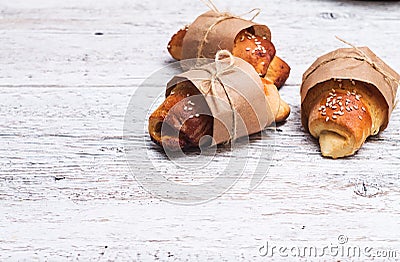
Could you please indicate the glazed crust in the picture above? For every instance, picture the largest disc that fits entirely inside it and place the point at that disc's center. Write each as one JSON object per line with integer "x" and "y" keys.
{"x": 278, "y": 72}
{"x": 342, "y": 115}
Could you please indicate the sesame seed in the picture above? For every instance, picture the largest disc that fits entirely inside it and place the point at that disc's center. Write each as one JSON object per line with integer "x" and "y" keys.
{"x": 191, "y": 116}
{"x": 334, "y": 101}
{"x": 330, "y": 94}
{"x": 329, "y": 99}
{"x": 253, "y": 51}
{"x": 265, "y": 38}
{"x": 339, "y": 98}
{"x": 360, "y": 117}
{"x": 353, "y": 83}
{"x": 264, "y": 51}
{"x": 191, "y": 103}
{"x": 336, "y": 113}
{"x": 187, "y": 95}
{"x": 190, "y": 108}
{"x": 358, "y": 97}
{"x": 334, "y": 117}
{"x": 341, "y": 113}
{"x": 340, "y": 104}
{"x": 241, "y": 40}
{"x": 363, "y": 109}
{"x": 248, "y": 49}
{"x": 339, "y": 80}
{"x": 169, "y": 46}
{"x": 348, "y": 93}
{"x": 327, "y": 119}
{"x": 262, "y": 63}
{"x": 172, "y": 92}
{"x": 348, "y": 109}
{"x": 323, "y": 113}
{"x": 258, "y": 43}
{"x": 327, "y": 104}
{"x": 249, "y": 37}
{"x": 333, "y": 90}
{"x": 355, "y": 107}
{"x": 334, "y": 107}
{"x": 341, "y": 108}
{"x": 196, "y": 115}
{"x": 320, "y": 109}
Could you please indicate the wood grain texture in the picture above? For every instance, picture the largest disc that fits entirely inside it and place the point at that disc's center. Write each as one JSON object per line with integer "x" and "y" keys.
{"x": 66, "y": 190}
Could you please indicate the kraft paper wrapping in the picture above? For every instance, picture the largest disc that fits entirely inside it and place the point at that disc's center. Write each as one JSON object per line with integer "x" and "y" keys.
{"x": 350, "y": 64}
{"x": 246, "y": 98}
{"x": 213, "y": 31}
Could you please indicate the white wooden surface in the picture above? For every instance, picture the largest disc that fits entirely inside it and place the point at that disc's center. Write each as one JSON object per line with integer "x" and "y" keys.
{"x": 66, "y": 192}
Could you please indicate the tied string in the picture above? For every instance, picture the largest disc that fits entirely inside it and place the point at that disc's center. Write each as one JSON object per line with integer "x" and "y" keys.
{"x": 367, "y": 59}
{"x": 222, "y": 67}
{"x": 386, "y": 75}
{"x": 222, "y": 17}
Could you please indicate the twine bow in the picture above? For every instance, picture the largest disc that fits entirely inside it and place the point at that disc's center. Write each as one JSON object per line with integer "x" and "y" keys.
{"x": 222, "y": 67}
{"x": 386, "y": 75}
{"x": 222, "y": 17}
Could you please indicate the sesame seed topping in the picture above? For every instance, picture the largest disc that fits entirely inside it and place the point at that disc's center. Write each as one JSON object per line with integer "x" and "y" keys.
{"x": 334, "y": 107}
{"x": 248, "y": 49}
{"x": 340, "y": 103}
{"x": 334, "y": 101}
{"x": 241, "y": 40}
{"x": 339, "y": 80}
{"x": 341, "y": 108}
{"x": 191, "y": 116}
{"x": 264, "y": 37}
{"x": 353, "y": 83}
{"x": 358, "y": 97}
{"x": 327, "y": 119}
{"x": 191, "y": 103}
{"x": 333, "y": 90}
{"x": 348, "y": 109}
{"x": 327, "y": 104}
{"x": 190, "y": 108}
{"x": 339, "y": 98}
{"x": 196, "y": 115}
{"x": 258, "y": 43}
{"x": 169, "y": 46}
{"x": 360, "y": 117}
{"x": 355, "y": 107}
{"x": 336, "y": 113}
{"x": 187, "y": 95}
{"x": 331, "y": 94}
{"x": 363, "y": 109}
{"x": 262, "y": 63}
{"x": 334, "y": 117}
{"x": 249, "y": 37}
{"x": 348, "y": 93}
{"x": 323, "y": 113}
{"x": 172, "y": 92}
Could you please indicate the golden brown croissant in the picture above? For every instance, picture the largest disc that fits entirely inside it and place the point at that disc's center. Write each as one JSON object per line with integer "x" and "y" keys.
{"x": 197, "y": 124}
{"x": 342, "y": 114}
{"x": 256, "y": 50}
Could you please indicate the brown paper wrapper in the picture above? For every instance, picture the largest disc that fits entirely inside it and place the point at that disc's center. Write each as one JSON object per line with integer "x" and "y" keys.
{"x": 246, "y": 97}
{"x": 348, "y": 63}
{"x": 221, "y": 36}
